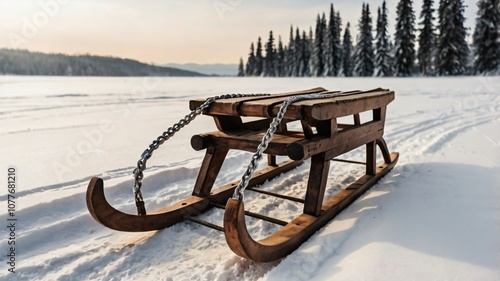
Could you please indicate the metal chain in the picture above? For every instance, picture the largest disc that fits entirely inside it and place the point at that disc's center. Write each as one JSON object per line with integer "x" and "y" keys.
{"x": 242, "y": 185}
{"x": 141, "y": 164}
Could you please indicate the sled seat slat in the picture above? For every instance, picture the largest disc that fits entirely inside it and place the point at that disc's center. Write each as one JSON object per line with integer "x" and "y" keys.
{"x": 231, "y": 106}
{"x": 347, "y": 103}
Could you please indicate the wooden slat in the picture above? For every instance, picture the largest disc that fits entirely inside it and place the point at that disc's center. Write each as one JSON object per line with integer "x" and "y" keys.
{"x": 265, "y": 107}
{"x": 231, "y": 106}
{"x": 348, "y": 105}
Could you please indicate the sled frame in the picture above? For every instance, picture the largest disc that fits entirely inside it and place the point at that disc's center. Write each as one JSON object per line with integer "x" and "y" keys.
{"x": 321, "y": 139}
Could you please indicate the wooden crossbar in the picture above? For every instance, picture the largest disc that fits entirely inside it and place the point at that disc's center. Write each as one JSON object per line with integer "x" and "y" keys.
{"x": 257, "y": 216}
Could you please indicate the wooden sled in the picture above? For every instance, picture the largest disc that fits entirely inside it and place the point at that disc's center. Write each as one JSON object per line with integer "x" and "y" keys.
{"x": 320, "y": 138}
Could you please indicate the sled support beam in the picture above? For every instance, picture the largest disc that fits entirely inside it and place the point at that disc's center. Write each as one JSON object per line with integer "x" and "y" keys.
{"x": 257, "y": 216}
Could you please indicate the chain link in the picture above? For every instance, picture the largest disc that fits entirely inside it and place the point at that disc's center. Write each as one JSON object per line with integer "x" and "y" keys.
{"x": 166, "y": 135}
{"x": 242, "y": 185}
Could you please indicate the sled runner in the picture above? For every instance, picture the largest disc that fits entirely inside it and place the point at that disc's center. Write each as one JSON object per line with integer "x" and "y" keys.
{"x": 320, "y": 138}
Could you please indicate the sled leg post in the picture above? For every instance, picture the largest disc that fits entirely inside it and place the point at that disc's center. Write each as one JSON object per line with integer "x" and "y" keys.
{"x": 318, "y": 176}
{"x": 271, "y": 160}
{"x": 371, "y": 158}
{"x": 209, "y": 170}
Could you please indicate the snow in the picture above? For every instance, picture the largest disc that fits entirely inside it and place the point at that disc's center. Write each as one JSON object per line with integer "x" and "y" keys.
{"x": 436, "y": 216}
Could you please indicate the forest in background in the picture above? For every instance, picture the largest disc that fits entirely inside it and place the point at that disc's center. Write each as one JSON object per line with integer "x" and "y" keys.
{"x": 442, "y": 46}
{"x": 22, "y": 62}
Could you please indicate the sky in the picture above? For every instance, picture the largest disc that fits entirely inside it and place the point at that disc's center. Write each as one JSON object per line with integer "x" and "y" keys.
{"x": 174, "y": 31}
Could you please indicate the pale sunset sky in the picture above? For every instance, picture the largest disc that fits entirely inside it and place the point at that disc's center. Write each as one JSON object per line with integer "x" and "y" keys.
{"x": 173, "y": 31}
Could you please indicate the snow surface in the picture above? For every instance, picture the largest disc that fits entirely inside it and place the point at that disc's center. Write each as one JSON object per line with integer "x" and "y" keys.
{"x": 436, "y": 216}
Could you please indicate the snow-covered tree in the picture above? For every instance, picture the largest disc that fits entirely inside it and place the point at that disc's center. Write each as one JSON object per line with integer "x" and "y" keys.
{"x": 347, "y": 64}
{"x": 318, "y": 64}
{"x": 383, "y": 66}
{"x": 310, "y": 66}
{"x": 291, "y": 60}
{"x": 404, "y": 39}
{"x": 487, "y": 38}
{"x": 452, "y": 49}
{"x": 364, "y": 55}
{"x": 259, "y": 59}
{"x": 270, "y": 57}
{"x": 241, "y": 70}
{"x": 250, "y": 69}
{"x": 332, "y": 45}
{"x": 298, "y": 54}
{"x": 279, "y": 63}
{"x": 306, "y": 55}
{"x": 426, "y": 39}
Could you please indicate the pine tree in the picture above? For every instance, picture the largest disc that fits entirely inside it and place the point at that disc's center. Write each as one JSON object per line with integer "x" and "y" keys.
{"x": 270, "y": 57}
{"x": 291, "y": 60}
{"x": 333, "y": 46}
{"x": 280, "y": 59}
{"x": 250, "y": 69}
{"x": 487, "y": 38}
{"x": 404, "y": 39}
{"x": 306, "y": 55}
{"x": 310, "y": 67}
{"x": 452, "y": 49}
{"x": 298, "y": 53}
{"x": 426, "y": 39}
{"x": 382, "y": 55}
{"x": 363, "y": 59}
{"x": 319, "y": 44}
{"x": 347, "y": 48}
{"x": 259, "y": 60}
{"x": 241, "y": 70}
{"x": 338, "y": 35}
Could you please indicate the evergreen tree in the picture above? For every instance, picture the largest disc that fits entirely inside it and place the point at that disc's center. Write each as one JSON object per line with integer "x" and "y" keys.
{"x": 338, "y": 35}
{"x": 280, "y": 59}
{"x": 298, "y": 53}
{"x": 452, "y": 49}
{"x": 250, "y": 69}
{"x": 382, "y": 54}
{"x": 404, "y": 39}
{"x": 487, "y": 38}
{"x": 319, "y": 44}
{"x": 333, "y": 46}
{"x": 291, "y": 60}
{"x": 270, "y": 57}
{"x": 310, "y": 67}
{"x": 363, "y": 60}
{"x": 241, "y": 70}
{"x": 259, "y": 60}
{"x": 347, "y": 64}
{"x": 306, "y": 55}
{"x": 426, "y": 39}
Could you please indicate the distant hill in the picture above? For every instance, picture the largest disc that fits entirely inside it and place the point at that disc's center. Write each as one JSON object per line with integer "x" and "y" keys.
{"x": 208, "y": 69}
{"x": 21, "y": 62}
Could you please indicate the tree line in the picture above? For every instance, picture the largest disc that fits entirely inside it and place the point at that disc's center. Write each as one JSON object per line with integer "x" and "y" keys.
{"x": 442, "y": 46}
{"x": 22, "y": 62}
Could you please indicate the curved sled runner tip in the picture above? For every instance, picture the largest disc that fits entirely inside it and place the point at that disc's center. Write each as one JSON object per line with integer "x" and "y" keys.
{"x": 110, "y": 217}
{"x": 296, "y": 232}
